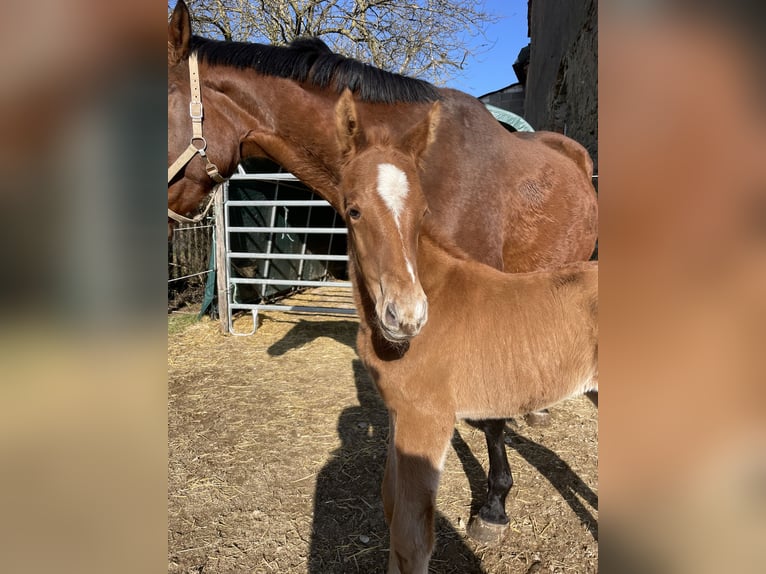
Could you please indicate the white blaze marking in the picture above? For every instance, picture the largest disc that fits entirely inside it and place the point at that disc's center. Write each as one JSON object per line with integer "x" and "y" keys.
{"x": 393, "y": 188}
{"x": 409, "y": 268}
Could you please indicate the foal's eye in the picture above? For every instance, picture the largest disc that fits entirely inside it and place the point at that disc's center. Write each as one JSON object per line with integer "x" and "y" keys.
{"x": 354, "y": 214}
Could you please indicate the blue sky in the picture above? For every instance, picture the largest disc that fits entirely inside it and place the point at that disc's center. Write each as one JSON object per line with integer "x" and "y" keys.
{"x": 493, "y": 69}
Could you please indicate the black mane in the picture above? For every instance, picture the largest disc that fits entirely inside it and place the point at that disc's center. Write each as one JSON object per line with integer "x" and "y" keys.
{"x": 310, "y": 60}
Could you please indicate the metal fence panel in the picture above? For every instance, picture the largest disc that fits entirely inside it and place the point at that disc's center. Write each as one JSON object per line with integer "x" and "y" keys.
{"x": 280, "y": 239}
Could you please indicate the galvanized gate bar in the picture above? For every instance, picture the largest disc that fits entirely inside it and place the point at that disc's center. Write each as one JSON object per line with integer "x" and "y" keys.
{"x": 287, "y": 282}
{"x": 293, "y": 256}
{"x": 274, "y": 229}
{"x": 243, "y": 175}
{"x": 295, "y": 308}
{"x": 272, "y": 203}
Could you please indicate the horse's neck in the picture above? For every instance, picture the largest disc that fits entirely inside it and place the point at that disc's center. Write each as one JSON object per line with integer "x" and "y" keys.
{"x": 290, "y": 125}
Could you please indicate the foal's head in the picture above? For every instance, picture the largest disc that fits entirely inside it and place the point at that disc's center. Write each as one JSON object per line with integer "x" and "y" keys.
{"x": 384, "y": 206}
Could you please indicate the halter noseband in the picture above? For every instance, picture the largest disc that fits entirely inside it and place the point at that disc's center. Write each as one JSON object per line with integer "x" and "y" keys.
{"x": 195, "y": 112}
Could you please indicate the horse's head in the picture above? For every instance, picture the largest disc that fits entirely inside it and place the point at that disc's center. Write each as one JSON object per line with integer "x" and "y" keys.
{"x": 384, "y": 206}
{"x": 191, "y": 180}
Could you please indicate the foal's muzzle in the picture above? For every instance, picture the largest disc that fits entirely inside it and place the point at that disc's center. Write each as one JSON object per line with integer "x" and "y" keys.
{"x": 400, "y": 322}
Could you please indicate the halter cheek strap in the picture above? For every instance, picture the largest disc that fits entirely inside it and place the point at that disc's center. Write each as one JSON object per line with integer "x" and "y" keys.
{"x": 197, "y": 144}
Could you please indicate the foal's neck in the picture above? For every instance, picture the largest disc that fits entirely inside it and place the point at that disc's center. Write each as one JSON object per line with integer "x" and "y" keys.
{"x": 438, "y": 258}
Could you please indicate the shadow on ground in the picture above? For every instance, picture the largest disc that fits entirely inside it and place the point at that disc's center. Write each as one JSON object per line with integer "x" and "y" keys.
{"x": 305, "y": 332}
{"x": 559, "y": 474}
{"x": 349, "y": 531}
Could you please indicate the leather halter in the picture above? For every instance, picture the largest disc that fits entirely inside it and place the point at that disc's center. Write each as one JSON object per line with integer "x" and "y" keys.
{"x": 197, "y": 144}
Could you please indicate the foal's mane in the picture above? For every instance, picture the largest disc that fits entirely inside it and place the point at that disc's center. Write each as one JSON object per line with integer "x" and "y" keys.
{"x": 310, "y": 60}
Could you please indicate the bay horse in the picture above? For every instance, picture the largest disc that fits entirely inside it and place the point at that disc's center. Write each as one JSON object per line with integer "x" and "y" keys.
{"x": 445, "y": 337}
{"x": 514, "y": 201}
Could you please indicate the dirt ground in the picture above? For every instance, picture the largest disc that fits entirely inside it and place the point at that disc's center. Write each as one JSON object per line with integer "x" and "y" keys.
{"x": 276, "y": 450}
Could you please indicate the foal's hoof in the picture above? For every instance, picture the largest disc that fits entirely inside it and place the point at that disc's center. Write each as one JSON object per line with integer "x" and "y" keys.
{"x": 538, "y": 418}
{"x": 483, "y": 531}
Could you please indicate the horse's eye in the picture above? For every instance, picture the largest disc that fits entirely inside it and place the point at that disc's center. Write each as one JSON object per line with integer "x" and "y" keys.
{"x": 354, "y": 213}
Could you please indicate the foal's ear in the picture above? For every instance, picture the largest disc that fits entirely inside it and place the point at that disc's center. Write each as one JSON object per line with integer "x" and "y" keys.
{"x": 179, "y": 32}
{"x": 416, "y": 140}
{"x": 346, "y": 123}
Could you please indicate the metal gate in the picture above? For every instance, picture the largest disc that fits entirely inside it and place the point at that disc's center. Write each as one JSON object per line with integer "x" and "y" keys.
{"x": 279, "y": 239}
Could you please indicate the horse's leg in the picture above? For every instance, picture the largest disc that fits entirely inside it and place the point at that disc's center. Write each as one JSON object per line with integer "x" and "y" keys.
{"x": 420, "y": 444}
{"x": 492, "y": 521}
{"x": 389, "y": 474}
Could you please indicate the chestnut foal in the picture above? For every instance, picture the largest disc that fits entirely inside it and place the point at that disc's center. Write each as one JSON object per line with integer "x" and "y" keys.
{"x": 445, "y": 337}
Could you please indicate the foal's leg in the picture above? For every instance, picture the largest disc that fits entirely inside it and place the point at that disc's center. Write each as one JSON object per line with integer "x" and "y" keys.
{"x": 491, "y": 521}
{"x": 420, "y": 444}
{"x": 389, "y": 474}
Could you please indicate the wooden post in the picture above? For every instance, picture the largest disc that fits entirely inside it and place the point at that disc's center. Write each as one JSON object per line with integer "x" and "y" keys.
{"x": 220, "y": 259}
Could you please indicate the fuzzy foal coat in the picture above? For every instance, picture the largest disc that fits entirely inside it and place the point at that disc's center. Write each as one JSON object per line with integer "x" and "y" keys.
{"x": 495, "y": 345}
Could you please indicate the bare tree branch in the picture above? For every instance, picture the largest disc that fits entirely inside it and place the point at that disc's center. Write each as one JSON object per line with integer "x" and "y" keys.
{"x": 422, "y": 38}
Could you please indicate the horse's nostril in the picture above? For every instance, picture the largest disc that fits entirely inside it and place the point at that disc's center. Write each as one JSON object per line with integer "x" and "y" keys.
{"x": 390, "y": 317}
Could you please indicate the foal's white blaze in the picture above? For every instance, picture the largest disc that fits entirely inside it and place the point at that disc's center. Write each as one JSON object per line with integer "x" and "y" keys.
{"x": 410, "y": 269}
{"x": 393, "y": 188}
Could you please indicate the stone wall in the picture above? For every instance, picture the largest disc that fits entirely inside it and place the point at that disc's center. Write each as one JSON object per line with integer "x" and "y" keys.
{"x": 562, "y": 81}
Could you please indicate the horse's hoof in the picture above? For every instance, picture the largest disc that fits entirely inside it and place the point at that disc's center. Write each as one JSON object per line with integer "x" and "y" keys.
{"x": 538, "y": 418}
{"x": 486, "y": 532}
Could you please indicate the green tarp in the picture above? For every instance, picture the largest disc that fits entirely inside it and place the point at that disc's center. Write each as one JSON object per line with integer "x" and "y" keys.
{"x": 509, "y": 118}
